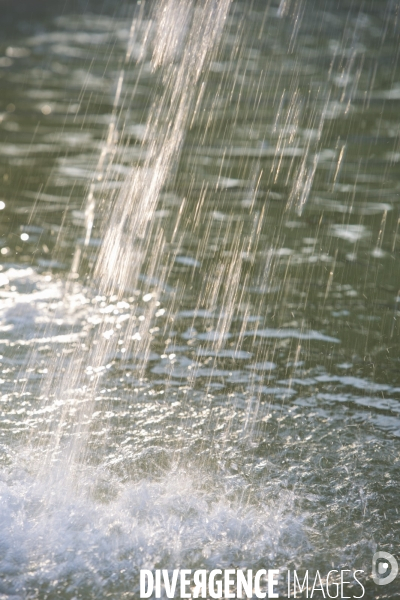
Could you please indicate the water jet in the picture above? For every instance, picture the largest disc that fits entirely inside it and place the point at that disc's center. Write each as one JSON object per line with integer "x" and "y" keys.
{"x": 199, "y": 246}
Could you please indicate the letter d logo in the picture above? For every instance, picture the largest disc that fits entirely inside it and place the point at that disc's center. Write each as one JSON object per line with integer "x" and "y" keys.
{"x": 380, "y": 568}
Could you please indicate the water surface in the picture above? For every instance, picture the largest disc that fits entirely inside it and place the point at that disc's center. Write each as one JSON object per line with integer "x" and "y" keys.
{"x": 245, "y": 411}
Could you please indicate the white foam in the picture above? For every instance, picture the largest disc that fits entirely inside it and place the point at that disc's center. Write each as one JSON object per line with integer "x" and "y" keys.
{"x": 51, "y": 538}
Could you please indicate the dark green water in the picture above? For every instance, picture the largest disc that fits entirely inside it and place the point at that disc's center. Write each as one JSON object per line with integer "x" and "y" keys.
{"x": 251, "y": 415}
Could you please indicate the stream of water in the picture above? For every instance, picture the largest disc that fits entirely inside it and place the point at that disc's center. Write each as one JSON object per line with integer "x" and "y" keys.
{"x": 199, "y": 291}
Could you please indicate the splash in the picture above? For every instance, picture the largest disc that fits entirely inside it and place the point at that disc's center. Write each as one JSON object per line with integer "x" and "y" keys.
{"x": 95, "y": 545}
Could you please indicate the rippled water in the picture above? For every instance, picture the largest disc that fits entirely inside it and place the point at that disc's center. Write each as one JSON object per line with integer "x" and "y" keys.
{"x": 245, "y": 411}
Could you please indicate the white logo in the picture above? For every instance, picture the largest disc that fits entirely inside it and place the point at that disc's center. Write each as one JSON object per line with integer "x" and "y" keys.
{"x": 379, "y": 569}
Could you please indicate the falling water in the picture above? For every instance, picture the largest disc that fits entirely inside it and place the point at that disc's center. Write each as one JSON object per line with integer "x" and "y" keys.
{"x": 199, "y": 294}
{"x": 184, "y": 39}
